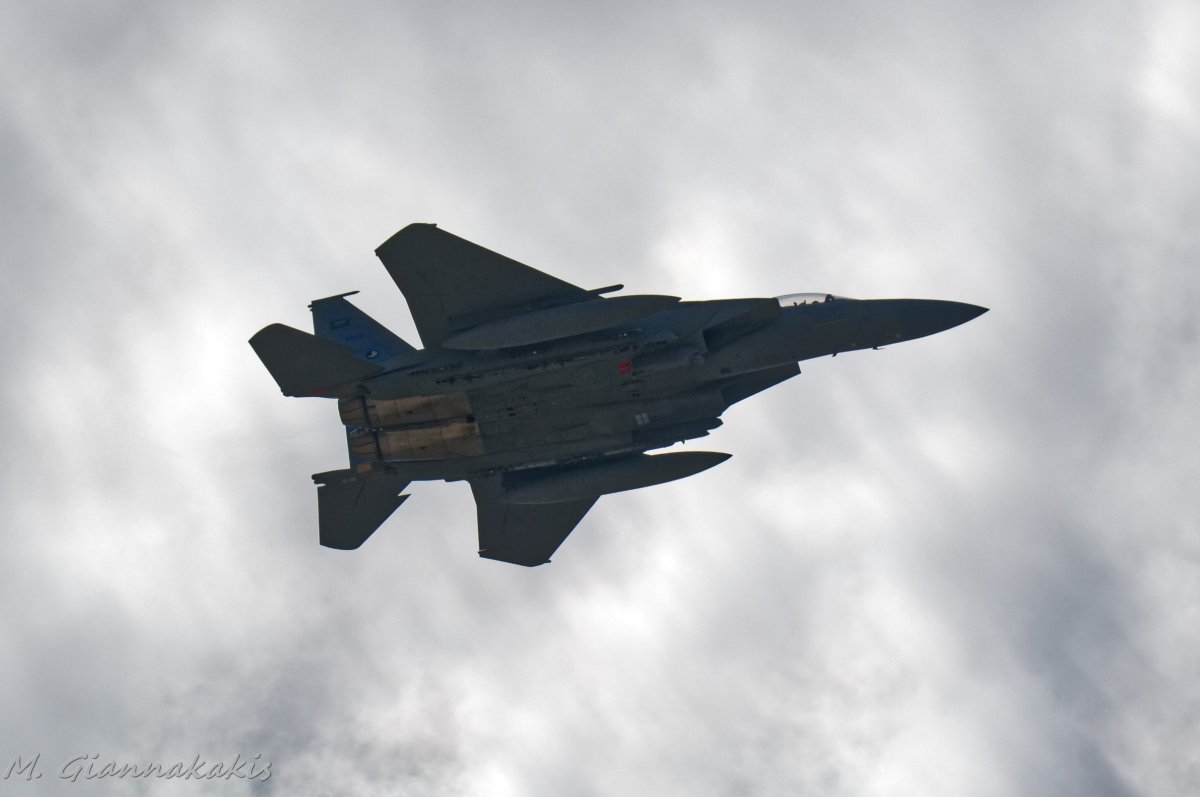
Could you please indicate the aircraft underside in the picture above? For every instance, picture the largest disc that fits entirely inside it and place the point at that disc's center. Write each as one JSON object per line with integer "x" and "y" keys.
{"x": 543, "y": 395}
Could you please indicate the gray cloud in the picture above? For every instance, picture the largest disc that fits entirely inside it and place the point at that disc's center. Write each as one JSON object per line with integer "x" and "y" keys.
{"x": 964, "y": 565}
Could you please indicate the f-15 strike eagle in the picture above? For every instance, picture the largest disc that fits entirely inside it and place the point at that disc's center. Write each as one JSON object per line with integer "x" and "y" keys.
{"x": 542, "y": 395}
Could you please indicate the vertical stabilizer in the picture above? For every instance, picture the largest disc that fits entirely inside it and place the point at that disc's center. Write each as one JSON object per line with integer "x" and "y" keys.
{"x": 336, "y": 319}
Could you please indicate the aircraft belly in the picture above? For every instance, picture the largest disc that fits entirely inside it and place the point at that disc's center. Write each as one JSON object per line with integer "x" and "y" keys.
{"x": 563, "y": 423}
{"x": 437, "y": 426}
{"x": 375, "y": 413}
{"x": 452, "y": 440}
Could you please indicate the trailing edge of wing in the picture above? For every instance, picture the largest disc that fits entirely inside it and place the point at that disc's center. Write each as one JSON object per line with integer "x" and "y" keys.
{"x": 350, "y": 508}
{"x": 451, "y": 284}
{"x": 522, "y": 534}
{"x": 305, "y": 365}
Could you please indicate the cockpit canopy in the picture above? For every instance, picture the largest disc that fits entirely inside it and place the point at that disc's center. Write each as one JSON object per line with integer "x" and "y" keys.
{"x": 795, "y": 299}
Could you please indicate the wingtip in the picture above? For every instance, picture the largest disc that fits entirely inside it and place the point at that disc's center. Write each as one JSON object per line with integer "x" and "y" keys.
{"x": 406, "y": 232}
{"x": 484, "y": 553}
{"x": 330, "y": 298}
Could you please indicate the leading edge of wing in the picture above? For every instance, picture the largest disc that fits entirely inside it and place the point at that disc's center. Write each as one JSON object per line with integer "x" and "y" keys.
{"x": 522, "y": 534}
{"x": 451, "y": 284}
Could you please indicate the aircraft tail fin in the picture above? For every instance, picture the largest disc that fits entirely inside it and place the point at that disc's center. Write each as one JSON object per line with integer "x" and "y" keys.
{"x": 305, "y": 365}
{"x": 351, "y": 506}
{"x": 336, "y": 319}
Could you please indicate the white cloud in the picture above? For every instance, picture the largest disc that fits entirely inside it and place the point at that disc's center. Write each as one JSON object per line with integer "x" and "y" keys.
{"x": 958, "y": 566}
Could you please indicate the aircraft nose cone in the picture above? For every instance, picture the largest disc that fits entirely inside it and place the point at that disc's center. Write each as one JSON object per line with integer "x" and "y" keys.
{"x": 920, "y": 317}
{"x": 951, "y": 314}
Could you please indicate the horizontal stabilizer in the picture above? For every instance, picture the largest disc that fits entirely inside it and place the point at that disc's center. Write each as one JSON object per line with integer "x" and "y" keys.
{"x": 350, "y": 507}
{"x": 577, "y": 482}
{"x": 305, "y": 365}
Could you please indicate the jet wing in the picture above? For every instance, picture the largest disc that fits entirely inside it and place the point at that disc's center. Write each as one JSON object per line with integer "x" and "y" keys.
{"x": 523, "y": 534}
{"x": 451, "y": 284}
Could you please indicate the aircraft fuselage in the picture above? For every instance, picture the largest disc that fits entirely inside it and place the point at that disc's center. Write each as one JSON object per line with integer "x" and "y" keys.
{"x": 640, "y": 386}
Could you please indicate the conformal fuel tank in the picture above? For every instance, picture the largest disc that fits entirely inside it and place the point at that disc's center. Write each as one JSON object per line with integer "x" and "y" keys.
{"x": 559, "y": 322}
{"x": 579, "y": 482}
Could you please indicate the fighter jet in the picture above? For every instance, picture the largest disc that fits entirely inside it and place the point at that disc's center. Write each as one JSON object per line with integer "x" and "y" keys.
{"x": 541, "y": 394}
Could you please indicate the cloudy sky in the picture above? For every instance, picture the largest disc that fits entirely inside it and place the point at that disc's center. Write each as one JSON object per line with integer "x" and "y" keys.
{"x": 964, "y": 566}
